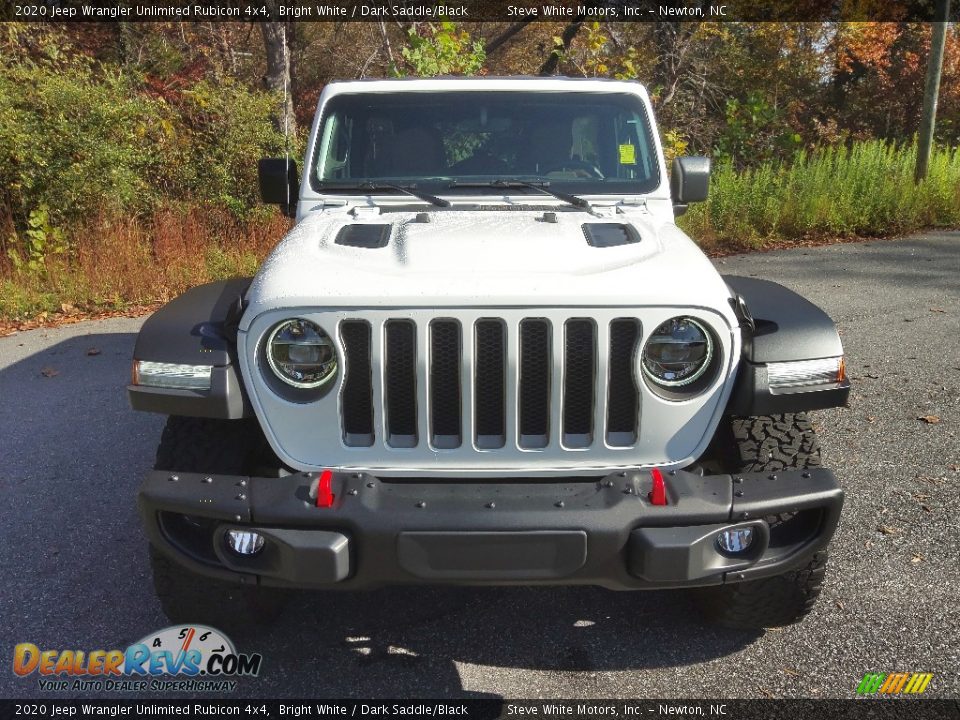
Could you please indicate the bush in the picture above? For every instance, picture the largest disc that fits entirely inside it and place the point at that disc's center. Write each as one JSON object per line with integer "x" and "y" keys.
{"x": 82, "y": 142}
{"x": 865, "y": 189}
{"x": 77, "y": 143}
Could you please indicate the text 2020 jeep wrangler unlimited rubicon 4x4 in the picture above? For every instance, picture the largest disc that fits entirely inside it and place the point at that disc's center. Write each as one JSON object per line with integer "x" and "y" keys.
{"x": 485, "y": 354}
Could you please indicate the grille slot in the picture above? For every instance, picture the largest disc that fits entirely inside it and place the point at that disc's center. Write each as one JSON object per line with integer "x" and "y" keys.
{"x": 357, "y": 396}
{"x": 534, "y": 395}
{"x": 445, "y": 401}
{"x": 579, "y": 369}
{"x": 489, "y": 377}
{"x": 401, "y": 383}
{"x": 622, "y": 396}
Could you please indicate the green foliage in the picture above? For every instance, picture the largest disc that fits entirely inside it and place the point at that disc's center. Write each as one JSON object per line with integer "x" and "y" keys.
{"x": 81, "y": 141}
{"x": 862, "y": 190}
{"x": 755, "y": 131}
{"x": 41, "y": 240}
{"x": 227, "y": 129}
{"x": 600, "y": 57}
{"x": 675, "y": 145}
{"x": 75, "y": 142}
{"x": 442, "y": 49}
{"x": 221, "y": 264}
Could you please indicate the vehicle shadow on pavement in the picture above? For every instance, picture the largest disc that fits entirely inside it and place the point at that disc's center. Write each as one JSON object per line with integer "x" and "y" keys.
{"x": 393, "y": 641}
{"x": 72, "y": 459}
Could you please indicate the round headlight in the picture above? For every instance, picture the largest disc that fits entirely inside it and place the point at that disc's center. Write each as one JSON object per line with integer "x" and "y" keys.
{"x": 678, "y": 352}
{"x": 301, "y": 354}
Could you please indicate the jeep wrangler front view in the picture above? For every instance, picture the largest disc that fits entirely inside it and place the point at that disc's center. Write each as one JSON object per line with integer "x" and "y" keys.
{"x": 486, "y": 354}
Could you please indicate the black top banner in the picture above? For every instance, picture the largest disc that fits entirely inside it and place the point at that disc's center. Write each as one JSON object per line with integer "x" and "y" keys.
{"x": 214, "y": 709}
{"x": 569, "y": 11}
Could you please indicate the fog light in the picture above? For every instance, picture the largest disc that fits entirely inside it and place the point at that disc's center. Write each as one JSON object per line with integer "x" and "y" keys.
{"x": 245, "y": 542}
{"x": 735, "y": 541}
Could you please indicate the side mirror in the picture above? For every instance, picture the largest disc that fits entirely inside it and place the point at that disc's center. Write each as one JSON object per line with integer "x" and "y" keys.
{"x": 689, "y": 181}
{"x": 279, "y": 183}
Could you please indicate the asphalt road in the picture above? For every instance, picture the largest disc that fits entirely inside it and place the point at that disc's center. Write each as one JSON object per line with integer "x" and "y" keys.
{"x": 75, "y": 574}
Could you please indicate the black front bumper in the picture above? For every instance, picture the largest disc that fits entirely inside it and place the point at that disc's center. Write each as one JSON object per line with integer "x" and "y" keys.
{"x": 600, "y": 532}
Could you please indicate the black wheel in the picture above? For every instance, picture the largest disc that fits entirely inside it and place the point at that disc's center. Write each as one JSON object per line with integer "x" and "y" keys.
{"x": 206, "y": 445}
{"x": 766, "y": 444}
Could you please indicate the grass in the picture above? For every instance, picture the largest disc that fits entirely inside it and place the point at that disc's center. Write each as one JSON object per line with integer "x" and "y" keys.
{"x": 115, "y": 263}
{"x": 866, "y": 189}
{"x": 112, "y": 263}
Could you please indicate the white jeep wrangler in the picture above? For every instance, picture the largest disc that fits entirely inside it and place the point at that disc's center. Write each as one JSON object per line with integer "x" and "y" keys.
{"x": 486, "y": 354}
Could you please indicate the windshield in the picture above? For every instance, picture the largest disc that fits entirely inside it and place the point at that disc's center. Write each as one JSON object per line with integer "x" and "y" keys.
{"x": 593, "y": 143}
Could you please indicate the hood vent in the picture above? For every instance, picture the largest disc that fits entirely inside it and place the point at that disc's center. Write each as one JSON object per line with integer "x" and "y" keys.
{"x": 602, "y": 235}
{"x": 363, "y": 235}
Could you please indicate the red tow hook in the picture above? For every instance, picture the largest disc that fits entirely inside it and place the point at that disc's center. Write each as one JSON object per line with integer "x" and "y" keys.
{"x": 658, "y": 495}
{"x": 325, "y": 489}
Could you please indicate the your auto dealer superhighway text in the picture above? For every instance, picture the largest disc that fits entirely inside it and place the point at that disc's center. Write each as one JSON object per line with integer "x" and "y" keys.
{"x": 401, "y": 709}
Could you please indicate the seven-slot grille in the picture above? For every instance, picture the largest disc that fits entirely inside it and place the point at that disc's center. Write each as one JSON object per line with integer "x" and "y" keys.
{"x": 483, "y": 384}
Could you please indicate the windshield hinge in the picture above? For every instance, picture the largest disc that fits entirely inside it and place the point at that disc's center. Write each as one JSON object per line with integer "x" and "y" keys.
{"x": 360, "y": 212}
{"x": 604, "y": 211}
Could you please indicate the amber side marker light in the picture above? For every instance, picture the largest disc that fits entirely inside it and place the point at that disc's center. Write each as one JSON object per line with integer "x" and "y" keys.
{"x": 801, "y": 375}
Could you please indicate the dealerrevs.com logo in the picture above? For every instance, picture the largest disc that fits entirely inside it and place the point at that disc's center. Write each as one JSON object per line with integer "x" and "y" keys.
{"x": 200, "y": 658}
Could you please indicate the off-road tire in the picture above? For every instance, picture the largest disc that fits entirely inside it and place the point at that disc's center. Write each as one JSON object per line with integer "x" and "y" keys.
{"x": 204, "y": 445}
{"x": 766, "y": 443}
{"x": 186, "y": 597}
{"x": 771, "y": 602}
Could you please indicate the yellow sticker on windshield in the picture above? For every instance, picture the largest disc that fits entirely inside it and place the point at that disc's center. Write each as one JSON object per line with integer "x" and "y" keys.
{"x": 628, "y": 155}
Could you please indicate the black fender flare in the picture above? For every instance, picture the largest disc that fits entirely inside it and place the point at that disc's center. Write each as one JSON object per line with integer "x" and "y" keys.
{"x": 786, "y": 327}
{"x": 196, "y": 328}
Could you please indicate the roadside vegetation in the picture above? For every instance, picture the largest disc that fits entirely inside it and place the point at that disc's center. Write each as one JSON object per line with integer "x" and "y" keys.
{"x": 128, "y": 153}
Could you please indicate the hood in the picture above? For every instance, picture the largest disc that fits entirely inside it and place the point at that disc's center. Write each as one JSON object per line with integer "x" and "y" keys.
{"x": 484, "y": 258}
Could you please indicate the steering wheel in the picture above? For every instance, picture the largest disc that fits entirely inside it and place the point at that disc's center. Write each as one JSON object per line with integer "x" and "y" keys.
{"x": 590, "y": 169}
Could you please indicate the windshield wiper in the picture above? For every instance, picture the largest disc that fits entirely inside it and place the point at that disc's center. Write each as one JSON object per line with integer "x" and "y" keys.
{"x": 373, "y": 186}
{"x": 541, "y": 185}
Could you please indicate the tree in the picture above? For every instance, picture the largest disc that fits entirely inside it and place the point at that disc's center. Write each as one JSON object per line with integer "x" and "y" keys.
{"x": 278, "y": 78}
{"x": 932, "y": 89}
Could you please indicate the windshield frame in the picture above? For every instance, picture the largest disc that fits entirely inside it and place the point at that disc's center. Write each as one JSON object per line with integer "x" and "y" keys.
{"x": 630, "y": 95}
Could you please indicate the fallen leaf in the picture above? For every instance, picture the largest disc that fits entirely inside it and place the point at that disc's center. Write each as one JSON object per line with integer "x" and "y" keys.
{"x": 791, "y": 671}
{"x": 868, "y": 544}
{"x": 926, "y": 508}
{"x": 872, "y": 376}
{"x": 888, "y": 529}
{"x": 93, "y": 351}
{"x": 938, "y": 310}
{"x": 929, "y": 419}
{"x": 765, "y": 691}
{"x": 871, "y": 419}
{"x": 917, "y": 557}
{"x": 67, "y": 308}
{"x": 839, "y": 604}
{"x": 49, "y": 372}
